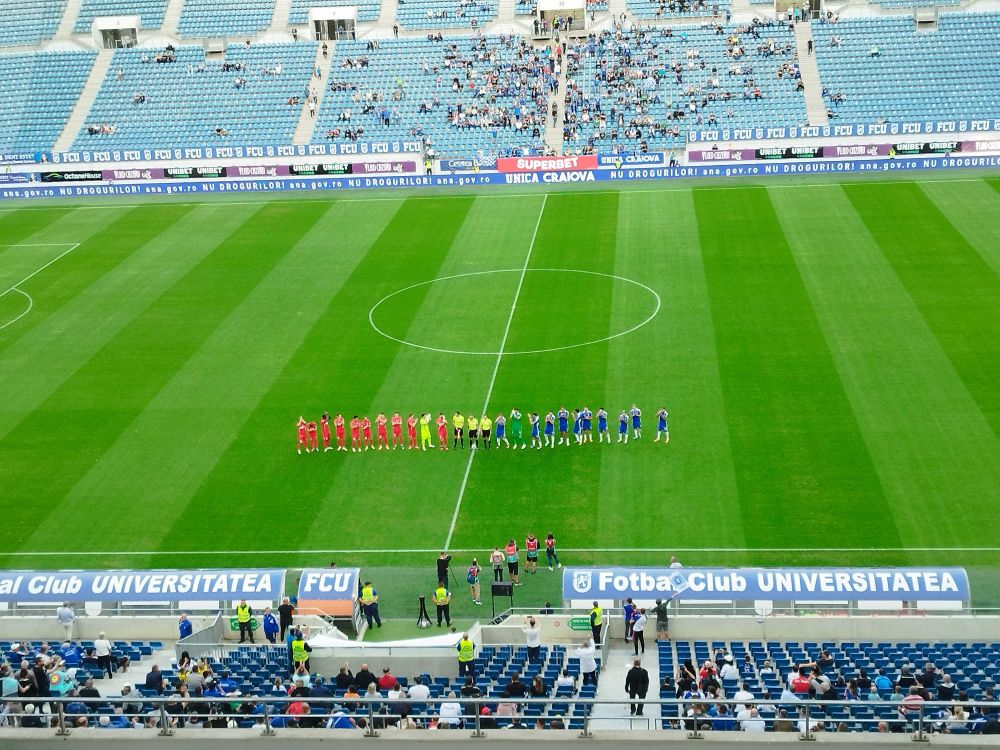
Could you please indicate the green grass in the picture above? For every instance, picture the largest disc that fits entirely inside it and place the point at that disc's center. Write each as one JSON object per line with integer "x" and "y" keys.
{"x": 829, "y": 355}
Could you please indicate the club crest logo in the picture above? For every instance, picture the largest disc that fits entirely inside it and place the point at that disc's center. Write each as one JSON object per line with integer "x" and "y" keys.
{"x": 582, "y": 581}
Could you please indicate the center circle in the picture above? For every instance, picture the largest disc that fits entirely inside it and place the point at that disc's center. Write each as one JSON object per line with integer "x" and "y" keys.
{"x": 475, "y": 286}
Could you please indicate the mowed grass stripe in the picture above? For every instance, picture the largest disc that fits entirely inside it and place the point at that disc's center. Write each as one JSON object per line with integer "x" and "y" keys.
{"x": 555, "y": 489}
{"x": 201, "y": 409}
{"x": 680, "y": 490}
{"x": 340, "y": 365}
{"x": 100, "y": 400}
{"x": 973, "y": 208}
{"x": 66, "y": 278}
{"x": 496, "y": 233}
{"x": 70, "y": 335}
{"x": 953, "y": 287}
{"x": 19, "y": 225}
{"x": 796, "y": 443}
{"x": 929, "y": 442}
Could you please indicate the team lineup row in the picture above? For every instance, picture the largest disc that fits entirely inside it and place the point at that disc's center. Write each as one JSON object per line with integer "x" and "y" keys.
{"x": 552, "y": 430}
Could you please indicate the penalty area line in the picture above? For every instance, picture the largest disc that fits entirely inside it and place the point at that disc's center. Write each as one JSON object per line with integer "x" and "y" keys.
{"x": 496, "y": 367}
{"x": 435, "y": 550}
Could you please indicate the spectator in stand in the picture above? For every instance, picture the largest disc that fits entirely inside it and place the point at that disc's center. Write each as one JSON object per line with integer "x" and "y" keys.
{"x": 154, "y": 679}
{"x": 364, "y": 678}
{"x": 270, "y": 625}
{"x": 450, "y": 712}
{"x": 184, "y": 626}
{"x": 533, "y": 637}
{"x": 102, "y": 648}
{"x": 387, "y": 680}
{"x": 66, "y": 618}
{"x": 588, "y": 663}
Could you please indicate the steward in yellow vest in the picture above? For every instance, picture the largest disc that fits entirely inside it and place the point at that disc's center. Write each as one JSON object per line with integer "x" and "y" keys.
{"x": 442, "y": 599}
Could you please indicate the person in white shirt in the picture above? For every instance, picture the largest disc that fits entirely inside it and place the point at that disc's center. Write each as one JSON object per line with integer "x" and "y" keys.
{"x": 638, "y": 636}
{"x": 752, "y": 722}
{"x": 102, "y": 650}
{"x": 419, "y": 692}
{"x": 533, "y": 637}
{"x": 450, "y": 712}
{"x": 588, "y": 664}
{"x": 729, "y": 672}
{"x": 566, "y": 680}
{"x": 743, "y": 696}
{"x": 675, "y": 563}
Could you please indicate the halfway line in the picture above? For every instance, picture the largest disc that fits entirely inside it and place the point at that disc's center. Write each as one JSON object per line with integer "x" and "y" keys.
{"x": 496, "y": 368}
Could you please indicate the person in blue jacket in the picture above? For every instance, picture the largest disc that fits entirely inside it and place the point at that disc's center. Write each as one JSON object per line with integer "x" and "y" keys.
{"x": 184, "y": 627}
{"x": 270, "y": 625}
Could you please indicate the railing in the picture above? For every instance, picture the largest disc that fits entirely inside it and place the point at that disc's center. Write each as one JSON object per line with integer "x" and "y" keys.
{"x": 693, "y": 718}
{"x": 206, "y": 642}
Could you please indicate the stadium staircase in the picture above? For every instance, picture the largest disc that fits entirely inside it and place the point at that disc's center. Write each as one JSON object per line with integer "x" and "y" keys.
{"x": 554, "y": 133}
{"x": 306, "y": 125}
{"x": 617, "y": 8}
{"x": 809, "y": 70}
{"x": 279, "y": 21}
{"x": 171, "y": 17}
{"x": 506, "y": 11}
{"x": 68, "y": 20}
{"x": 81, "y": 109}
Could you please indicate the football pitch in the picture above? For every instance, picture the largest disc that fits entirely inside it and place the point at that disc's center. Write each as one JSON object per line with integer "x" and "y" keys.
{"x": 829, "y": 353}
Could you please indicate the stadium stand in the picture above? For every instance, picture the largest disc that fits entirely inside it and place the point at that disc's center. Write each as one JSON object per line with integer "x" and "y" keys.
{"x": 528, "y": 7}
{"x": 184, "y": 102}
{"x": 852, "y": 669}
{"x": 446, "y": 14}
{"x": 28, "y": 22}
{"x": 882, "y": 67}
{"x": 150, "y": 12}
{"x": 38, "y": 94}
{"x": 368, "y": 10}
{"x": 643, "y": 90}
{"x": 655, "y": 10}
{"x": 224, "y": 18}
{"x": 462, "y": 95}
{"x": 915, "y": 3}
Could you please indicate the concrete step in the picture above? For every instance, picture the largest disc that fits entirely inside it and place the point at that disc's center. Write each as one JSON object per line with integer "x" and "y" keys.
{"x": 91, "y": 87}
{"x": 171, "y": 17}
{"x": 809, "y": 70}
{"x": 307, "y": 123}
{"x": 68, "y": 20}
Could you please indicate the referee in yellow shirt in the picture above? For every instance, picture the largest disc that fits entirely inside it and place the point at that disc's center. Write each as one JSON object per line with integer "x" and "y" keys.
{"x": 457, "y": 424}
{"x": 473, "y": 432}
{"x": 485, "y": 425}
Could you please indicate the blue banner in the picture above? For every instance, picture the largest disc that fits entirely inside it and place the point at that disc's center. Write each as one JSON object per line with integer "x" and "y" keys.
{"x": 630, "y": 160}
{"x": 328, "y": 584}
{"x": 279, "y": 184}
{"x": 141, "y": 585}
{"x": 728, "y": 584}
{"x": 236, "y": 152}
{"x": 467, "y": 165}
{"x": 845, "y": 130}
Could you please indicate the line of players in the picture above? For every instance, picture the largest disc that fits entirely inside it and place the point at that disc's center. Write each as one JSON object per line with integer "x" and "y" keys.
{"x": 503, "y": 431}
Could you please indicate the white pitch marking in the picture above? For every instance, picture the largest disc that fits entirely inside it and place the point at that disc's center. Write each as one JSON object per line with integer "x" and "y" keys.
{"x": 31, "y": 304}
{"x": 436, "y": 550}
{"x": 14, "y": 288}
{"x": 637, "y": 326}
{"x": 496, "y": 367}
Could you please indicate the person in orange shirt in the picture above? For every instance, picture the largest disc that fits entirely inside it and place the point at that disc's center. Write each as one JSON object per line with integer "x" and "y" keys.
{"x": 397, "y": 431}
{"x": 324, "y": 424}
{"x": 313, "y": 441}
{"x": 442, "y": 423}
{"x": 382, "y": 435}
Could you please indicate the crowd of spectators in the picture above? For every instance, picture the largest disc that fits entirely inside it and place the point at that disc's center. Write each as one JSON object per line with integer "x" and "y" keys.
{"x": 820, "y": 680}
{"x": 641, "y": 88}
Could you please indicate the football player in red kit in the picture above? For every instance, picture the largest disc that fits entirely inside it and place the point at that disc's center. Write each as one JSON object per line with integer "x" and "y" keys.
{"x": 313, "y": 442}
{"x": 397, "y": 431}
{"x": 366, "y": 433}
{"x": 338, "y": 427}
{"x": 411, "y": 430}
{"x": 442, "y": 423}
{"x": 382, "y": 435}
{"x": 355, "y": 434}
{"x": 324, "y": 425}
{"x": 303, "y": 435}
